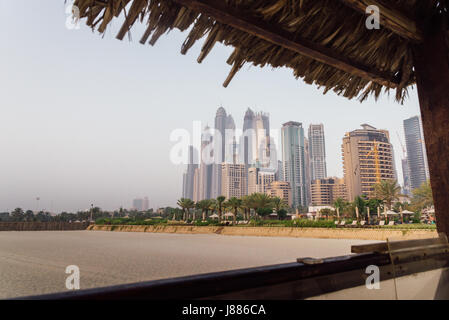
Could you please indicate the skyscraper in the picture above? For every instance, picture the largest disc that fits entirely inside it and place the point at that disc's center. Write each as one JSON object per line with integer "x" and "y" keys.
{"x": 219, "y": 151}
{"x": 280, "y": 171}
{"x": 294, "y": 161}
{"x": 230, "y": 141}
{"x": 146, "y": 204}
{"x": 224, "y": 147}
{"x": 317, "y": 152}
{"x": 262, "y": 128}
{"x": 205, "y": 173}
{"x": 196, "y": 186}
{"x": 189, "y": 175}
{"x": 307, "y": 170}
{"x": 138, "y": 204}
{"x": 367, "y": 159}
{"x": 248, "y": 142}
{"x": 416, "y": 152}
{"x": 255, "y": 142}
{"x": 406, "y": 176}
{"x": 221, "y": 119}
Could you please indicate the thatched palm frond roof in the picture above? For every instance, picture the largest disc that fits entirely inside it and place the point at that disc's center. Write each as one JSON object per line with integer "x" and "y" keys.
{"x": 324, "y": 42}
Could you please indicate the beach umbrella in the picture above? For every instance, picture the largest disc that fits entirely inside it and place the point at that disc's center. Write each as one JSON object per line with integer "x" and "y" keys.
{"x": 214, "y": 216}
{"x": 273, "y": 215}
{"x": 228, "y": 214}
{"x": 391, "y": 213}
{"x": 406, "y": 212}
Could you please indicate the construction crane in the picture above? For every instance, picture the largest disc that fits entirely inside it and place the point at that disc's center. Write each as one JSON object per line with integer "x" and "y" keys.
{"x": 375, "y": 151}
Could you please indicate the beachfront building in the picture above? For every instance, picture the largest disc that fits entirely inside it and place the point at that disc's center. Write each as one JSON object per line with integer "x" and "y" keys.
{"x": 280, "y": 189}
{"x": 324, "y": 192}
{"x": 259, "y": 179}
{"x": 367, "y": 159}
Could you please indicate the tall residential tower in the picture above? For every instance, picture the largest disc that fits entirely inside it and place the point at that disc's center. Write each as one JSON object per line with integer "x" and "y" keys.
{"x": 317, "y": 152}
{"x": 189, "y": 175}
{"x": 224, "y": 148}
{"x": 293, "y": 156}
{"x": 416, "y": 152}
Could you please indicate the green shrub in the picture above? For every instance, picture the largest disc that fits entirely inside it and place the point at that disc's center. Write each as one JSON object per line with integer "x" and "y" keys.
{"x": 303, "y": 223}
{"x": 102, "y": 221}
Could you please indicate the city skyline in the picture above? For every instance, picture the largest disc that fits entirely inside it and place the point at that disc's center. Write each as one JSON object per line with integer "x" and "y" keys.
{"x": 189, "y": 174}
{"x": 368, "y": 158}
{"x": 112, "y": 143}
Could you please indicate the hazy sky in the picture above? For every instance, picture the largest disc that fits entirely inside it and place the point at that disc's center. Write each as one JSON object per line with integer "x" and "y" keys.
{"x": 86, "y": 119}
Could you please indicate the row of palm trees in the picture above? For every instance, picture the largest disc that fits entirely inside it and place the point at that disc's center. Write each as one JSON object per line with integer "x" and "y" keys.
{"x": 255, "y": 204}
{"x": 390, "y": 193}
{"x": 387, "y": 195}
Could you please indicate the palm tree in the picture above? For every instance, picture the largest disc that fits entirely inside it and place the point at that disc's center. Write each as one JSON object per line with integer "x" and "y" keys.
{"x": 17, "y": 214}
{"x": 234, "y": 203}
{"x": 204, "y": 205}
{"x": 212, "y": 206}
{"x": 422, "y": 196}
{"x": 191, "y": 205}
{"x": 252, "y": 203}
{"x": 185, "y": 205}
{"x": 278, "y": 203}
{"x": 220, "y": 201}
{"x": 340, "y": 204}
{"x": 29, "y": 216}
{"x": 388, "y": 191}
{"x": 246, "y": 206}
{"x": 261, "y": 201}
{"x": 359, "y": 203}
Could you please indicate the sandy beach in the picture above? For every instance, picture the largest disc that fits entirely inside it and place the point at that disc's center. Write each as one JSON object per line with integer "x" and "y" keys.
{"x": 34, "y": 262}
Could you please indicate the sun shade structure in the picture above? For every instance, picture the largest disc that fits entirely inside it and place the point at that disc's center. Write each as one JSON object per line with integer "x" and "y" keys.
{"x": 309, "y": 36}
{"x": 324, "y": 42}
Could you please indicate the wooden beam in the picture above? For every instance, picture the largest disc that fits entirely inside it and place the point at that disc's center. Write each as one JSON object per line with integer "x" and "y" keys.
{"x": 390, "y": 18}
{"x": 432, "y": 78}
{"x": 218, "y": 10}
